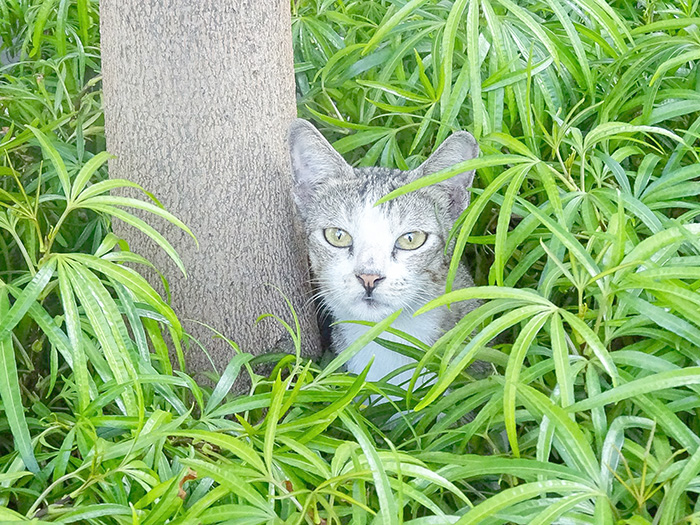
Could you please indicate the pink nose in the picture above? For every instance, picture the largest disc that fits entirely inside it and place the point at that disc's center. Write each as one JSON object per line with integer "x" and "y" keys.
{"x": 369, "y": 281}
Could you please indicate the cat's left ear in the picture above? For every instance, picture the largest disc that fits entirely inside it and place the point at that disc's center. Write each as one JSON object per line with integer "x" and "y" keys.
{"x": 313, "y": 161}
{"x": 458, "y": 147}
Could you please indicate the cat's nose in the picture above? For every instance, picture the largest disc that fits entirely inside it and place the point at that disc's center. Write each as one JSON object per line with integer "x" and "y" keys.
{"x": 370, "y": 281}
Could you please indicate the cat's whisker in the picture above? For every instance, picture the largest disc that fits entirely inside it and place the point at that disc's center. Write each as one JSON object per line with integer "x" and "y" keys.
{"x": 315, "y": 296}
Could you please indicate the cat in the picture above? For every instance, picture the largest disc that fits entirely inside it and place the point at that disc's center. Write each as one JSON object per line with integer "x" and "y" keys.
{"x": 370, "y": 261}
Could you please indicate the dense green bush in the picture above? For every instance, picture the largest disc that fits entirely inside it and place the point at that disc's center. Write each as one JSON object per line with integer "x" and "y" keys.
{"x": 581, "y": 235}
{"x": 587, "y": 114}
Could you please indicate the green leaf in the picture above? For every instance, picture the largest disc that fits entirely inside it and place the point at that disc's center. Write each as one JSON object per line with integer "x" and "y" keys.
{"x": 110, "y": 200}
{"x": 611, "y": 452}
{"x": 486, "y": 292}
{"x": 145, "y": 228}
{"x": 359, "y": 139}
{"x": 134, "y": 282}
{"x": 573, "y": 444}
{"x": 272, "y": 418}
{"x": 87, "y": 171}
{"x": 88, "y": 513}
{"x": 609, "y": 130}
{"x": 660, "y": 316}
{"x": 668, "y": 511}
{"x": 26, "y": 299}
{"x": 226, "y": 381}
{"x": 75, "y": 336}
{"x": 503, "y": 225}
{"x": 393, "y": 90}
{"x": 440, "y": 176}
{"x": 388, "y": 508}
{"x": 593, "y": 342}
{"x": 474, "y": 60}
{"x": 560, "y": 354}
{"x": 674, "y": 63}
{"x": 474, "y": 211}
{"x": 236, "y": 446}
{"x": 560, "y": 507}
{"x": 390, "y": 24}
{"x": 508, "y": 497}
{"x": 238, "y": 486}
{"x": 53, "y": 155}
{"x": 109, "y": 328}
{"x": 515, "y": 363}
{"x": 533, "y": 26}
{"x": 447, "y": 46}
{"x": 11, "y": 395}
{"x": 652, "y": 383}
{"x": 45, "y": 10}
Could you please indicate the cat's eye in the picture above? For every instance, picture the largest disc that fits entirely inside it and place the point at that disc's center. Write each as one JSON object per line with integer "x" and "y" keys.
{"x": 411, "y": 240}
{"x": 337, "y": 237}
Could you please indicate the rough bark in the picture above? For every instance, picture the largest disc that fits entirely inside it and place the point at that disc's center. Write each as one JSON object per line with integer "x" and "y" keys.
{"x": 198, "y": 95}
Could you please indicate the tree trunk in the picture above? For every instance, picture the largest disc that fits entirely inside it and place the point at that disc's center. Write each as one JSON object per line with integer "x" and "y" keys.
{"x": 198, "y": 95}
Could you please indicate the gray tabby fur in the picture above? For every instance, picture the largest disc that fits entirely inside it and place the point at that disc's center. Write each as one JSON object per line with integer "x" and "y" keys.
{"x": 329, "y": 193}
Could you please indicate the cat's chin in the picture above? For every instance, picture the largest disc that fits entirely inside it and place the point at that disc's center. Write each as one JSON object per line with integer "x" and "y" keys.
{"x": 366, "y": 310}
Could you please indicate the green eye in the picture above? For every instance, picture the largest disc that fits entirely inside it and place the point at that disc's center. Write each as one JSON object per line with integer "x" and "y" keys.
{"x": 337, "y": 237}
{"x": 411, "y": 240}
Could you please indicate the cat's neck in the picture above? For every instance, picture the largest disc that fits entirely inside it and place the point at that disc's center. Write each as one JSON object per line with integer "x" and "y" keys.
{"x": 427, "y": 328}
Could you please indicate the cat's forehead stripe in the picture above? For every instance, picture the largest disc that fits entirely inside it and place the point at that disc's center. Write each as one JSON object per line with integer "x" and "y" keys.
{"x": 374, "y": 183}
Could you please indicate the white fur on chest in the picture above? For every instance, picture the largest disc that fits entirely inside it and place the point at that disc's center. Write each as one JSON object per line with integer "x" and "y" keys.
{"x": 425, "y": 327}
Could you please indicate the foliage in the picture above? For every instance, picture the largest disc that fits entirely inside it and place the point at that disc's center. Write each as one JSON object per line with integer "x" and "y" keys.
{"x": 587, "y": 115}
{"x": 582, "y": 225}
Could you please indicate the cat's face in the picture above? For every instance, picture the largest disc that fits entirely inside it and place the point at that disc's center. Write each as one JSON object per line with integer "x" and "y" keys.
{"x": 368, "y": 261}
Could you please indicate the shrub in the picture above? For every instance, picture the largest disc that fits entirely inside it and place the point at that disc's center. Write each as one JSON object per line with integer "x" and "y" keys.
{"x": 583, "y": 228}
{"x": 581, "y": 233}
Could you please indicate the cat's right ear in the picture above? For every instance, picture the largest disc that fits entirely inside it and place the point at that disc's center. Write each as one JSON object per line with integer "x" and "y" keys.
{"x": 313, "y": 159}
{"x": 457, "y": 148}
